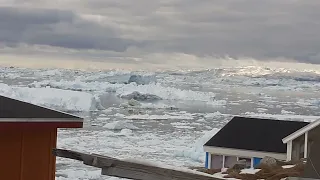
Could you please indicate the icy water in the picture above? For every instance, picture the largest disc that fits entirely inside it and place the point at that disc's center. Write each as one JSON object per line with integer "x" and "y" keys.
{"x": 174, "y": 112}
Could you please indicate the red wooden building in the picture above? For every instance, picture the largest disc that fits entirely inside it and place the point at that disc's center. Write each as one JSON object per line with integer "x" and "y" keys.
{"x": 28, "y": 133}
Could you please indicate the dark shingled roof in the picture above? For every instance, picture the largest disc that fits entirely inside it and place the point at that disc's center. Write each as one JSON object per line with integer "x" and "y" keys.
{"x": 12, "y": 108}
{"x": 255, "y": 134}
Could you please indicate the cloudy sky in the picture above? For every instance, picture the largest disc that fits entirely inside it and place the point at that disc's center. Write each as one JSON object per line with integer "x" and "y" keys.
{"x": 161, "y": 31}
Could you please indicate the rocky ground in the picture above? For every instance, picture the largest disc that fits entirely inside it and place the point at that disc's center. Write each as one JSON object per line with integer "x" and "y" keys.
{"x": 269, "y": 169}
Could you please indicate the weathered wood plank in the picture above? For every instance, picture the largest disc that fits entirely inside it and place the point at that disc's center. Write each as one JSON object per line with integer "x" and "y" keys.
{"x": 131, "y": 170}
{"x": 151, "y": 173}
{"x": 68, "y": 154}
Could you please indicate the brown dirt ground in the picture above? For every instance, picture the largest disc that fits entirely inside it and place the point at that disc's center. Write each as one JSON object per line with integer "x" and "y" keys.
{"x": 270, "y": 173}
{"x": 266, "y": 172}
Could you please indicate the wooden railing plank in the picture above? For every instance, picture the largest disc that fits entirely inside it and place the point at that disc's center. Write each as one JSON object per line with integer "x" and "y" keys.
{"x": 131, "y": 170}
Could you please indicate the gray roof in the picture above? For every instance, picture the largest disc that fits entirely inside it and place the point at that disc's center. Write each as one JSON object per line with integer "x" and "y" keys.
{"x": 12, "y": 108}
{"x": 255, "y": 133}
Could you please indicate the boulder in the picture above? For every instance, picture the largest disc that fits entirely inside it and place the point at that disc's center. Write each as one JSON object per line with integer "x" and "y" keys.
{"x": 239, "y": 165}
{"x": 212, "y": 171}
{"x": 268, "y": 161}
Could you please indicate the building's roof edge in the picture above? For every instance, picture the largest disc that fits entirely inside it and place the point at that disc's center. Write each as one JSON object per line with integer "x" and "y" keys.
{"x": 61, "y": 120}
{"x": 243, "y": 152}
{"x": 226, "y": 148}
{"x": 69, "y": 116}
{"x": 301, "y": 131}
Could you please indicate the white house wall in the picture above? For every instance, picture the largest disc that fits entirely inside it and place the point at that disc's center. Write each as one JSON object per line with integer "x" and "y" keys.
{"x": 289, "y": 151}
{"x": 221, "y": 161}
{"x": 243, "y": 153}
{"x": 230, "y": 161}
{"x": 299, "y": 149}
{"x": 216, "y": 161}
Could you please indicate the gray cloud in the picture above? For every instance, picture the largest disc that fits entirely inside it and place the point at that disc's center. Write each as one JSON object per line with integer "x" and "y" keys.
{"x": 57, "y": 28}
{"x": 258, "y": 29}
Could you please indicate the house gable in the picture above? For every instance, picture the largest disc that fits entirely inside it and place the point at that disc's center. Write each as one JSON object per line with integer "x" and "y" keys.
{"x": 301, "y": 131}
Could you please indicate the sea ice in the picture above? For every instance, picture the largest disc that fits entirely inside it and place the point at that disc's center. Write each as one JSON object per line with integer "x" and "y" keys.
{"x": 141, "y": 80}
{"x": 158, "y": 117}
{"x": 169, "y": 93}
{"x": 117, "y": 125}
{"x": 283, "y": 116}
{"x": 141, "y": 97}
{"x": 64, "y": 100}
{"x": 126, "y": 132}
{"x": 196, "y": 151}
{"x": 287, "y": 112}
{"x": 295, "y": 90}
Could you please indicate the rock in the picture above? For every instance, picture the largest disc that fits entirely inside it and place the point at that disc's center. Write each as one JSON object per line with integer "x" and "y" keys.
{"x": 233, "y": 174}
{"x": 302, "y": 160}
{"x": 268, "y": 171}
{"x": 205, "y": 170}
{"x": 141, "y": 97}
{"x": 268, "y": 161}
{"x": 283, "y": 175}
{"x": 212, "y": 171}
{"x": 239, "y": 165}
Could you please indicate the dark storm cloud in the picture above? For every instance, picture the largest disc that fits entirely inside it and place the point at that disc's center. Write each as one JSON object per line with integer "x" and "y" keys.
{"x": 259, "y": 29}
{"x": 56, "y": 28}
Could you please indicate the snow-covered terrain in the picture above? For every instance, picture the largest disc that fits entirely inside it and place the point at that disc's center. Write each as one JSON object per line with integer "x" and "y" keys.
{"x": 171, "y": 114}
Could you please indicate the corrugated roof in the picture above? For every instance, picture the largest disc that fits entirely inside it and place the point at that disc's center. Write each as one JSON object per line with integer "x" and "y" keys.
{"x": 255, "y": 134}
{"x": 12, "y": 108}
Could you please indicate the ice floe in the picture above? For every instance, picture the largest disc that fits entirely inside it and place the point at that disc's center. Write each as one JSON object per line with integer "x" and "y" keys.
{"x": 120, "y": 125}
{"x": 50, "y": 97}
{"x": 196, "y": 152}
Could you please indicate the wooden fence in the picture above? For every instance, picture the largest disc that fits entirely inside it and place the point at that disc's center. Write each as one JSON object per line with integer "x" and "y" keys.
{"x": 131, "y": 170}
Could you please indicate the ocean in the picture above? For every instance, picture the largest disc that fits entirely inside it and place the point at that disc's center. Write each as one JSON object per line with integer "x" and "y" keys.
{"x": 164, "y": 116}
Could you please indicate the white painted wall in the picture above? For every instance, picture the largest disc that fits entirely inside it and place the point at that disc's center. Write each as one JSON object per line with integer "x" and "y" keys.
{"x": 230, "y": 161}
{"x": 216, "y": 161}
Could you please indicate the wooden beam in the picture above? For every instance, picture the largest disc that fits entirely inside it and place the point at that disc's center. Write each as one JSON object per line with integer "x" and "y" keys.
{"x": 305, "y": 155}
{"x": 223, "y": 161}
{"x": 131, "y": 170}
{"x": 289, "y": 150}
{"x": 209, "y": 160}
